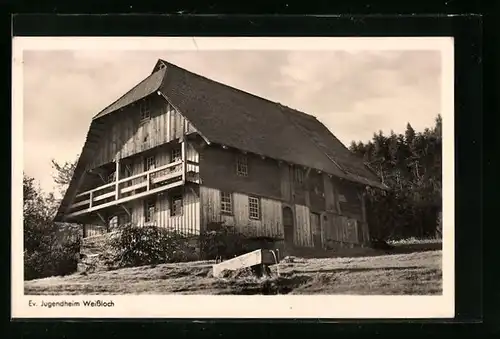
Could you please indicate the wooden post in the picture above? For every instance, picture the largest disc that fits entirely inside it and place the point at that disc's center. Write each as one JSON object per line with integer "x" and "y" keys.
{"x": 183, "y": 157}
{"x": 148, "y": 181}
{"x": 117, "y": 178}
{"x": 169, "y": 134}
{"x": 91, "y": 198}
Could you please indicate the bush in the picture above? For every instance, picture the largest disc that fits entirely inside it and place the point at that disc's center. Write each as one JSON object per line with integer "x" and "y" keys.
{"x": 138, "y": 246}
{"x": 223, "y": 241}
{"x": 46, "y": 261}
{"x": 49, "y": 248}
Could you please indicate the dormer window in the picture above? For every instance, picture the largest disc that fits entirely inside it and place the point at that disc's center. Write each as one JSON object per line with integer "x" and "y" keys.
{"x": 145, "y": 110}
{"x": 162, "y": 66}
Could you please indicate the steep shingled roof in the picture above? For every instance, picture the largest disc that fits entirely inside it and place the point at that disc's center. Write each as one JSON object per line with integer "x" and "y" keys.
{"x": 229, "y": 116}
{"x": 234, "y": 118}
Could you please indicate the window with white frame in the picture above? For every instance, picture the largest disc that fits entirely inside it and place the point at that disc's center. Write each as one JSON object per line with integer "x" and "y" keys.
{"x": 242, "y": 165}
{"x": 226, "y": 202}
{"x": 176, "y": 205}
{"x": 149, "y": 209}
{"x": 176, "y": 154}
{"x": 149, "y": 163}
{"x": 254, "y": 207}
{"x": 145, "y": 109}
{"x": 299, "y": 175}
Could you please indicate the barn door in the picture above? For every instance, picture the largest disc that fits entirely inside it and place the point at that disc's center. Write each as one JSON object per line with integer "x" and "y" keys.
{"x": 288, "y": 226}
{"x": 316, "y": 230}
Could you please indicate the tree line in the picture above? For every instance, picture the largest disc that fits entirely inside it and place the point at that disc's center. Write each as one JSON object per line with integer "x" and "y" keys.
{"x": 410, "y": 164}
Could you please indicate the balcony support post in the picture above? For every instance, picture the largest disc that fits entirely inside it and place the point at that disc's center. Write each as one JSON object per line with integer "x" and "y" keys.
{"x": 183, "y": 157}
{"x": 117, "y": 178}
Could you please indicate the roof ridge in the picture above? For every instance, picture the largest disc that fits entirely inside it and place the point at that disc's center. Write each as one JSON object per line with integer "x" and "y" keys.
{"x": 235, "y": 88}
{"x": 157, "y": 62}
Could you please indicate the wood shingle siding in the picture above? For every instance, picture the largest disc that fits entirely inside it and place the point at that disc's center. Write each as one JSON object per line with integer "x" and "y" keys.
{"x": 126, "y": 135}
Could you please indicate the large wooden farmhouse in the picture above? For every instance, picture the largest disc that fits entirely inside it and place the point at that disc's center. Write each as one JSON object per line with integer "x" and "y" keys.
{"x": 182, "y": 151}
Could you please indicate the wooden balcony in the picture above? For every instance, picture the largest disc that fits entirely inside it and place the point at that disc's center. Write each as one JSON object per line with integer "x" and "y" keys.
{"x": 134, "y": 187}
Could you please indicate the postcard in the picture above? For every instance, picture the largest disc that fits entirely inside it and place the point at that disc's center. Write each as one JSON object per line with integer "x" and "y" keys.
{"x": 218, "y": 177}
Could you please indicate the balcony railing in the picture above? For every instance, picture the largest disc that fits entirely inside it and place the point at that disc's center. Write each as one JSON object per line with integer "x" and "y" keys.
{"x": 136, "y": 186}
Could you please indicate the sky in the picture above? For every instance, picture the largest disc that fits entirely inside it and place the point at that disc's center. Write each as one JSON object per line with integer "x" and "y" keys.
{"x": 354, "y": 93}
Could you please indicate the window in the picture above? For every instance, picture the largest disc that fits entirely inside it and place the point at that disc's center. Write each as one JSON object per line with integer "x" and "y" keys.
{"x": 176, "y": 154}
{"x": 299, "y": 175}
{"x": 149, "y": 209}
{"x": 149, "y": 163}
{"x": 254, "y": 207}
{"x": 113, "y": 222}
{"x": 145, "y": 109}
{"x": 242, "y": 166}
{"x": 176, "y": 205}
{"x": 226, "y": 203}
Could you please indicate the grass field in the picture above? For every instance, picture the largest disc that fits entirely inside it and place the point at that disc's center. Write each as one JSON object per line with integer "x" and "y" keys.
{"x": 417, "y": 273}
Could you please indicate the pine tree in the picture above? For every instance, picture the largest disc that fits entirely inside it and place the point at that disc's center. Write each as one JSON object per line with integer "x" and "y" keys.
{"x": 410, "y": 164}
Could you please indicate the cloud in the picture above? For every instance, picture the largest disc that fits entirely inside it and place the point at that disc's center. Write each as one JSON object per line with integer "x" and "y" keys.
{"x": 354, "y": 93}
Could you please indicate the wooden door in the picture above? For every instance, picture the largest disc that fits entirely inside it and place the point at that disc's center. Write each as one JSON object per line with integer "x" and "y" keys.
{"x": 316, "y": 230}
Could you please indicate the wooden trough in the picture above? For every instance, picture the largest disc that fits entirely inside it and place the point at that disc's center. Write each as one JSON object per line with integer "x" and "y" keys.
{"x": 250, "y": 259}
